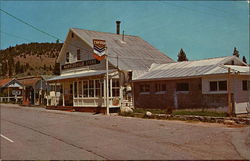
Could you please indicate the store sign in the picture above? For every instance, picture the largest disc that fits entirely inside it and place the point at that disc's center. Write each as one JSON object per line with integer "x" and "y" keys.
{"x": 81, "y": 64}
{"x": 16, "y": 92}
{"x": 99, "y": 47}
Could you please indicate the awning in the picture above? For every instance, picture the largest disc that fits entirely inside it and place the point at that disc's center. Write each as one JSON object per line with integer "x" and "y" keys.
{"x": 84, "y": 74}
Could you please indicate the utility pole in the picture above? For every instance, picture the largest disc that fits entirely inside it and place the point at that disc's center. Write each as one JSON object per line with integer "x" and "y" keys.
{"x": 229, "y": 93}
{"x": 107, "y": 85}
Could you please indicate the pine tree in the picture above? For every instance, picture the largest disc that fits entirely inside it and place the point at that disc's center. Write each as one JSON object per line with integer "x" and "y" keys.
{"x": 236, "y": 52}
{"x": 27, "y": 66}
{"x": 44, "y": 67}
{"x": 17, "y": 67}
{"x": 244, "y": 59}
{"x": 10, "y": 65}
{"x": 4, "y": 68}
{"x": 56, "y": 70}
{"x": 182, "y": 56}
{"x": 21, "y": 69}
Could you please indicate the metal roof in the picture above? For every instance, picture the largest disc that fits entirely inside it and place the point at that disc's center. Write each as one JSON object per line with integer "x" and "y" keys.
{"x": 191, "y": 68}
{"x": 133, "y": 53}
{"x": 4, "y": 82}
{"x": 84, "y": 74}
{"x": 10, "y": 82}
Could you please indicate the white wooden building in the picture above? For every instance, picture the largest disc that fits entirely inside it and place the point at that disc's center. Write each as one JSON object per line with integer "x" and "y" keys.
{"x": 82, "y": 78}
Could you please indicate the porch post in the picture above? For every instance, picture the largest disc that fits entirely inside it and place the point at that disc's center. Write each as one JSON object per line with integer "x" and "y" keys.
{"x": 47, "y": 93}
{"x": 73, "y": 92}
{"x": 229, "y": 93}
{"x": 8, "y": 94}
{"x": 107, "y": 85}
{"x": 63, "y": 94}
{"x": 55, "y": 94}
{"x": 34, "y": 95}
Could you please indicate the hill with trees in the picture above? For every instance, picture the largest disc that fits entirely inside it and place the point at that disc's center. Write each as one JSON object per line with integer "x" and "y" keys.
{"x": 29, "y": 59}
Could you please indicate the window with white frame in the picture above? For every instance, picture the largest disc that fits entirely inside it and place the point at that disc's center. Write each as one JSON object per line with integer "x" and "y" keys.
{"x": 97, "y": 88}
{"x": 67, "y": 57}
{"x": 91, "y": 88}
{"x": 80, "y": 88}
{"x": 115, "y": 88}
{"x": 75, "y": 89}
{"x": 78, "y": 52}
{"x": 218, "y": 85}
{"x": 85, "y": 88}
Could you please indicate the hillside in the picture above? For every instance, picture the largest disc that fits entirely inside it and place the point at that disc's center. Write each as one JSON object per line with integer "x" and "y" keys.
{"x": 29, "y": 59}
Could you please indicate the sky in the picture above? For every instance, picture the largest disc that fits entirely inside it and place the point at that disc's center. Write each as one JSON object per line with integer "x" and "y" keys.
{"x": 204, "y": 29}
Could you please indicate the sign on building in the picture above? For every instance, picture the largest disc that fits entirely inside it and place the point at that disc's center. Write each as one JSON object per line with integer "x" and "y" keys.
{"x": 16, "y": 92}
{"x": 99, "y": 47}
{"x": 81, "y": 64}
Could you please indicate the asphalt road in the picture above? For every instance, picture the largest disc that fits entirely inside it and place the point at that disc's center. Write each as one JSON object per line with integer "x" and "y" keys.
{"x": 39, "y": 134}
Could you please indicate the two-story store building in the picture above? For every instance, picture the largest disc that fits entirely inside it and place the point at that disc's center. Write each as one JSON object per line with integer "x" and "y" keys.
{"x": 82, "y": 84}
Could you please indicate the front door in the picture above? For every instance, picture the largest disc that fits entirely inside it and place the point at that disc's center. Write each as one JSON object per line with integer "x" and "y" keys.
{"x": 70, "y": 96}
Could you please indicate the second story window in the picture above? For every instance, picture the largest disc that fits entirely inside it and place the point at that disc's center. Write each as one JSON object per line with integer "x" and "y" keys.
{"x": 78, "y": 54}
{"x": 67, "y": 57}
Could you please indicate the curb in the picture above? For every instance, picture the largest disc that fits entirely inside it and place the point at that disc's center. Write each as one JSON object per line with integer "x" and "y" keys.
{"x": 210, "y": 119}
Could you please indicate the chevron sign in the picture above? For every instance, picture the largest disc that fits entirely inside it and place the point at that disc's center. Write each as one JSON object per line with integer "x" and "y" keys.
{"x": 99, "y": 47}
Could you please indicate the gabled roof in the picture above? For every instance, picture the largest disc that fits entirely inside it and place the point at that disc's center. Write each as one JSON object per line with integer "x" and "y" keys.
{"x": 4, "y": 82}
{"x": 29, "y": 81}
{"x": 10, "y": 82}
{"x": 133, "y": 53}
{"x": 193, "y": 68}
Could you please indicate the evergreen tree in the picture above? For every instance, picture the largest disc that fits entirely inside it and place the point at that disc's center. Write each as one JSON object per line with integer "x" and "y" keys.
{"x": 10, "y": 65}
{"x": 244, "y": 59}
{"x": 21, "y": 69}
{"x": 10, "y": 71}
{"x": 182, "y": 56}
{"x": 4, "y": 68}
{"x": 44, "y": 67}
{"x": 27, "y": 66}
{"x": 236, "y": 52}
{"x": 17, "y": 67}
{"x": 56, "y": 70}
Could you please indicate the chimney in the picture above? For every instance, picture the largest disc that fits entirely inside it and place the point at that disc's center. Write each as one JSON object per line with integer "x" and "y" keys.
{"x": 118, "y": 27}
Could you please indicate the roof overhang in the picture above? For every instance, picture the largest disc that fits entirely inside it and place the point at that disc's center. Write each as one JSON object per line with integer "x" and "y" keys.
{"x": 80, "y": 75}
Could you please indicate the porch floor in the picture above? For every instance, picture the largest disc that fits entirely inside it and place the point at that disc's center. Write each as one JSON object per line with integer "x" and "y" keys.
{"x": 83, "y": 109}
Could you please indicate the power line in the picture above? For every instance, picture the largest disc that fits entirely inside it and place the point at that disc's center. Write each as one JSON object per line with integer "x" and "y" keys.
{"x": 44, "y": 32}
{"x": 40, "y": 30}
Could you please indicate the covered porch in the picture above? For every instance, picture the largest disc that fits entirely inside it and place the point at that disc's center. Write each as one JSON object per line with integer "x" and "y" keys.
{"x": 85, "y": 91}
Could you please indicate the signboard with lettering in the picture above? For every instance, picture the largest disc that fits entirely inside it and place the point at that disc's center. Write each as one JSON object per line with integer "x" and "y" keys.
{"x": 99, "y": 47}
{"x": 81, "y": 64}
{"x": 16, "y": 92}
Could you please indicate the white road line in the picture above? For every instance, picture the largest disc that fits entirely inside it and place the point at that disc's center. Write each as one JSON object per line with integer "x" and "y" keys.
{"x": 7, "y": 138}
